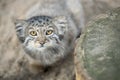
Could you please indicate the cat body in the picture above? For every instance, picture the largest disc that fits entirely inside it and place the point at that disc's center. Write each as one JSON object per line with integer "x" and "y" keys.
{"x": 48, "y": 33}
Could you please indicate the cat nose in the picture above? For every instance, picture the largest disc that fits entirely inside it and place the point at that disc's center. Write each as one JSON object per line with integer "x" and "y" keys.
{"x": 41, "y": 41}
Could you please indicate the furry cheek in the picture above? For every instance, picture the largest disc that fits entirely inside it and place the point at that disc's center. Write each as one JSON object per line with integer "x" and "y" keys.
{"x": 33, "y": 44}
{"x": 56, "y": 38}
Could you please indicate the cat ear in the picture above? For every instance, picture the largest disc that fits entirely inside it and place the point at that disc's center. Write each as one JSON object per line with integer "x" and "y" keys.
{"x": 61, "y": 24}
{"x": 20, "y": 29}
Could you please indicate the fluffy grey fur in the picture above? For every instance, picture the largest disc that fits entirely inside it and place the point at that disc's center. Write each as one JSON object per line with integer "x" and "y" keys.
{"x": 55, "y": 46}
{"x": 48, "y": 49}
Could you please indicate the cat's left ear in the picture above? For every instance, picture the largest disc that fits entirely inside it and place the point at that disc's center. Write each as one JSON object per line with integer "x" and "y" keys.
{"x": 61, "y": 23}
{"x": 20, "y": 29}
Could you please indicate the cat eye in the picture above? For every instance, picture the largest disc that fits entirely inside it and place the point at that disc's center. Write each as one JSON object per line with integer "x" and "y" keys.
{"x": 33, "y": 33}
{"x": 48, "y": 32}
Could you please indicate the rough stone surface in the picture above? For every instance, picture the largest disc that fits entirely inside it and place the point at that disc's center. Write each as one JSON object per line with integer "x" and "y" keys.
{"x": 98, "y": 49}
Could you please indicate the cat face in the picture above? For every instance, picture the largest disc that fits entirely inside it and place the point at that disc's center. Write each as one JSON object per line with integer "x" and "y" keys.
{"x": 43, "y": 38}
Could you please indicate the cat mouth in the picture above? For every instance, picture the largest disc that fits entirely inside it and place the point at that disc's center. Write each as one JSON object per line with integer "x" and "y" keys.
{"x": 41, "y": 45}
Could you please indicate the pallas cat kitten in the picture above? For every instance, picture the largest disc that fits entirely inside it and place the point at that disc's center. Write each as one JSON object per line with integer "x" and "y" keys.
{"x": 46, "y": 39}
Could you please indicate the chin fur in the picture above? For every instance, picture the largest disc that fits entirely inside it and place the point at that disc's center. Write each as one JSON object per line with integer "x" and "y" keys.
{"x": 47, "y": 55}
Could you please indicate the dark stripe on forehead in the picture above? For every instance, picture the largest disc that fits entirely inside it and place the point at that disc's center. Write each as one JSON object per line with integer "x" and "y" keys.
{"x": 40, "y": 20}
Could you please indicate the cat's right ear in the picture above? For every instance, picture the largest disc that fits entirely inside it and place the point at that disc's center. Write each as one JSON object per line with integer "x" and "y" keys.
{"x": 20, "y": 29}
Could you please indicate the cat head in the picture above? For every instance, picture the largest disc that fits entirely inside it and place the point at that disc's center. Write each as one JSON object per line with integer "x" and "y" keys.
{"x": 43, "y": 37}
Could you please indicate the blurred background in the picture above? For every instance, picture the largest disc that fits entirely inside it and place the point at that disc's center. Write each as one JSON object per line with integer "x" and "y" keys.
{"x": 9, "y": 45}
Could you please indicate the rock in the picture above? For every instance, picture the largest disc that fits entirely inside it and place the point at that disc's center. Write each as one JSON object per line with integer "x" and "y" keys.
{"x": 97, "y": 53}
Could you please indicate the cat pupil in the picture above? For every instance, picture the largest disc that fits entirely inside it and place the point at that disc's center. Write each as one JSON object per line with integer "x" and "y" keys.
{"x": 49, "y": 32}
{"x": 33, "y": 33}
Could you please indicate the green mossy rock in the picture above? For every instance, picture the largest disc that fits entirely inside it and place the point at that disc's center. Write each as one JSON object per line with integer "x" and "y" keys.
{"x": 99, "y": 47}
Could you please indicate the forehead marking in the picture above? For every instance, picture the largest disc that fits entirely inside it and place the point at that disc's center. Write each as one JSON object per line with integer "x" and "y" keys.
{"x": 40, "y": 21}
